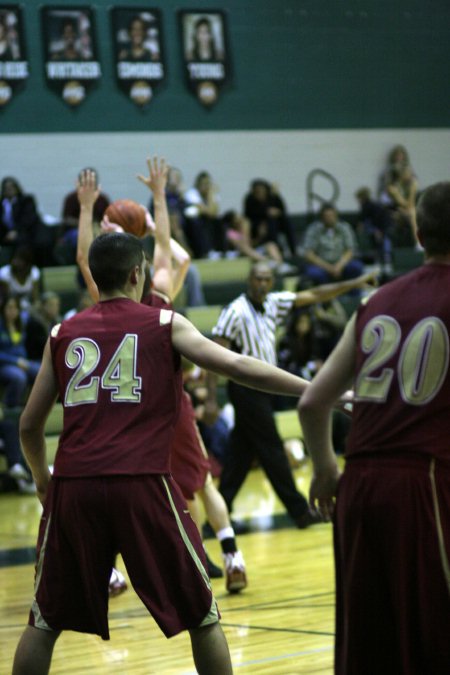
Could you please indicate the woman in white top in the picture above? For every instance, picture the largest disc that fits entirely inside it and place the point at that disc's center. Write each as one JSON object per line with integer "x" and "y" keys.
{"x": 21, "y": 278}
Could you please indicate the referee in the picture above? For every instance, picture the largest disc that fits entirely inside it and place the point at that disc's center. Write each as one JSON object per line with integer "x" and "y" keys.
{"x": 248, "y": 326}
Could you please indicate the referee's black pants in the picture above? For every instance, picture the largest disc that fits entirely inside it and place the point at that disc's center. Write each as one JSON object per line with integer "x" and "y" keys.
{"x": 255, "y": 435}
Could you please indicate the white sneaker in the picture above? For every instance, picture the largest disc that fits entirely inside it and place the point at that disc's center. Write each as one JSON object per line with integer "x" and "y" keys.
{"x": 26, "y": 487}
{"x": 18, "y": 471}
{"x": 117, "y": 583}
{"x": 235, "y": 574}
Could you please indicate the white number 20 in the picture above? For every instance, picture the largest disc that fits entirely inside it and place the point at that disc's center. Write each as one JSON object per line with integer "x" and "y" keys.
{"x": 422, "y": 363}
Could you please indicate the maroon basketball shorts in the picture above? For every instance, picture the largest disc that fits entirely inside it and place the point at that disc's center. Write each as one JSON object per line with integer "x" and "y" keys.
{"x": 188, "y": 458}
{"x": 392, "y": 550}
{"x": 86, "y": 521}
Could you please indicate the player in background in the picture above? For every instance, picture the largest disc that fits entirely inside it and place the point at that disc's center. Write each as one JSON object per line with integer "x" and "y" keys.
{"x": 189, "y": 462}
{"x": 392, "y": 510}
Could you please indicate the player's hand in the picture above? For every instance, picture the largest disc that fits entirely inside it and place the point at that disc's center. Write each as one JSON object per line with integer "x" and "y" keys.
{"x": 107, "y": 226}
{"x": 42, "y": 486}
{"x": 370, "y": 279}
{"x": 87, "y": 188}
{"x": 322, "y": 491}
{"x": 158, "y": 170}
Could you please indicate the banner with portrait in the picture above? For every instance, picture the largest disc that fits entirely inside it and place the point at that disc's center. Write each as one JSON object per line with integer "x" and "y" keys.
{"x": 70, "y": 51}
{"x": 13, "y": 60}
{"x": 205, "y": 52}
{"x": 138, "y": 49}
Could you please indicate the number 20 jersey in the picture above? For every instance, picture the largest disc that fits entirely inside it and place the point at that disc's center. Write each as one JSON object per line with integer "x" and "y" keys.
{"x": 119, "y": 380}
{"x": 402, "y": 385}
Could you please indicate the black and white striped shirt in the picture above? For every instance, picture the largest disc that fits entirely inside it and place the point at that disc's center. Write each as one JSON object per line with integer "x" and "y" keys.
{"x": 250, "y": 331}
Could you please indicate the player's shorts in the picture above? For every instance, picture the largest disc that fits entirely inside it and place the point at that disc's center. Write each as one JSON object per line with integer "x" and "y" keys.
{"x": 188, "y": 457}
{"x": 86, "y": 521}
{"x": 392, "y": 550}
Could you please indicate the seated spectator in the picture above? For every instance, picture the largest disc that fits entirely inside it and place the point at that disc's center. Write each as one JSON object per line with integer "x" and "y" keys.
{"x": 17, "y": 369}
{"x": 299, "y": 354}
{"x": 330, "y": 249}
{"x": 399, "y": 196}
{"x": 43, "y": 317}
{"x": 66, "y": 248}
{"x": 10, "y": 447}
{"x": 237, "y": 233}
{"x": 376, "y": 222}
{"x": 203, "y": 227}
{"x": 20, "y": 223}
{"x": 21, "y": 278}
{"x": 84, "y": 302}
{"x": 330, "y": 319}
{"x": 398, "y": 157}
{"x": 266, "y": 211}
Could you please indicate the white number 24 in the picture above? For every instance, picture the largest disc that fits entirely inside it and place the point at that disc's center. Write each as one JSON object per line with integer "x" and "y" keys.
{"x": 119, "y": 376}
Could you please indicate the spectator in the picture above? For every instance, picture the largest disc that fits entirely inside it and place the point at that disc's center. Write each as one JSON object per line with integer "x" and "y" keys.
{"x": 375, "y": 221}
{"x": 84, "y": 301}
{"x": 398, "y": 157}
{"x": 43, "y": 317}
{"x": 399, "y": 196}
{"x": 66, "y": 248}
{"x": 238, "y": 237}
{"x": 21, "y": 278}
{"x": 266, "y": 211}
{"x": 20, "y": 223}
{"x": 330, "y": 319}
{"x": 17, "y": 370}
{"x": 10, "y": 447}
{"x": 330, "y": 249}
{"x": 204, "y": 230}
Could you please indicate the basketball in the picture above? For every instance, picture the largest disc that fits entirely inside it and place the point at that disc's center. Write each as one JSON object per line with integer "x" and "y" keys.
{"x": 129, "y": 215}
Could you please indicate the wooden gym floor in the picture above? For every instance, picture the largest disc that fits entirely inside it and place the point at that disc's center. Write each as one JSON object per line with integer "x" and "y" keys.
{"x": 281, "y": 624}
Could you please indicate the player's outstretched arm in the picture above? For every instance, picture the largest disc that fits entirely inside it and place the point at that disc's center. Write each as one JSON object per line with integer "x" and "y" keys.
{"x": 330, "y": 291}
{"x": 87, "y": 192}
{"x": 32, "y": 423}
{"x": 242, "y": 369}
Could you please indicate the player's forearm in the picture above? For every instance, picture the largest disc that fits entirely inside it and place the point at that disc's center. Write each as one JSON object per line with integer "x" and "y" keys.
{"x": 162, "y": 220}
{"x": 256, "y": 374}
{"x": 35, "y": 452}
{"x": 317, "y": 426}
{"x": 85, "y": 239}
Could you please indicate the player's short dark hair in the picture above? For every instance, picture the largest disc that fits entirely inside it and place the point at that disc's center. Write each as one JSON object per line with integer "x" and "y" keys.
{"x": 433, "y": 218}
{"x": 112, "y": 257}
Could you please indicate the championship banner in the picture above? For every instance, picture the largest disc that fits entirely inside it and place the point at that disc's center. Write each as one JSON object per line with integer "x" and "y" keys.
{"x": 138, "y": 49}
{"x": 71, "y": 64}
{"x": 205, "y": 53}
{"x": 13, "y": 61}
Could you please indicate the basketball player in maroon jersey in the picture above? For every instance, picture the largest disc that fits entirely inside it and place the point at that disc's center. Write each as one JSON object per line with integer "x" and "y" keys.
{"x": 117, "y": 368}
{"x": 189, "y": 462}
{"x": 392, "y": 513}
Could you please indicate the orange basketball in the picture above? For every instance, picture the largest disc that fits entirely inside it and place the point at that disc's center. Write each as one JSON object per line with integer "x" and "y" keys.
{"x": 129, "y": 215}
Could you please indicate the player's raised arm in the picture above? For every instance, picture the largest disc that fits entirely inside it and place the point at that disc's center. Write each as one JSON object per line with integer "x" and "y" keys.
{"x": 87, "y": 191}
{"x": 162, "y": 256}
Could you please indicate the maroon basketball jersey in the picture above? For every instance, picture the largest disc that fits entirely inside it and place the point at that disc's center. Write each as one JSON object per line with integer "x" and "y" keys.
{"x": 120, "y": 383}
{"x": 154, "y": 299}
{"x": 402, "y": 385}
